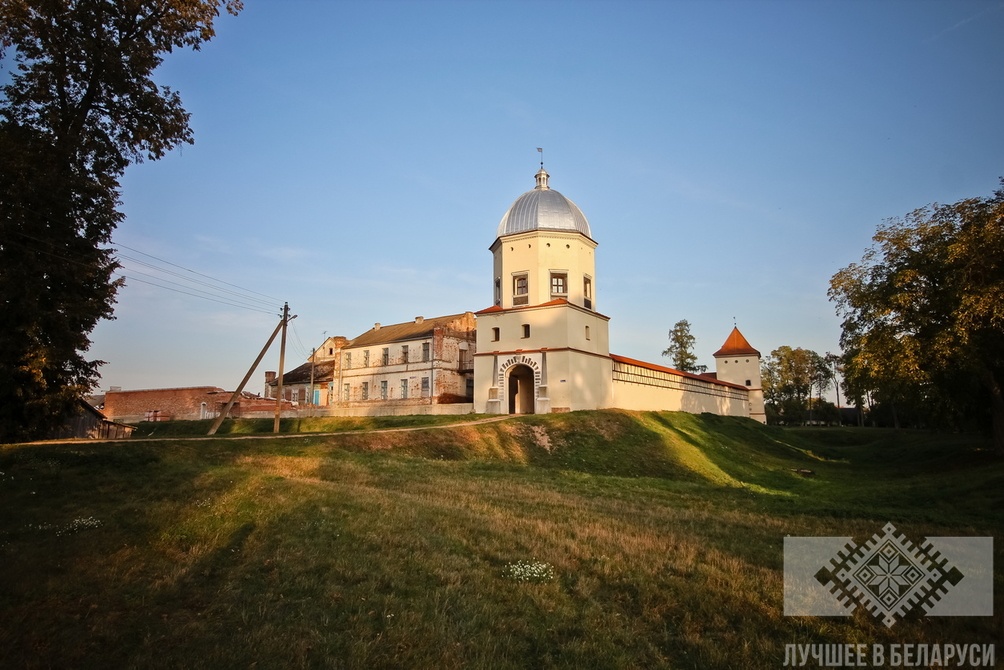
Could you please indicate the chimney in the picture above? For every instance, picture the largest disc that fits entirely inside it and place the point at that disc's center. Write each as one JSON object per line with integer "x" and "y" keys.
{"x": 269, "y": 376}
{"x": 376, "y": 326}
{"x": 419, "y": 319}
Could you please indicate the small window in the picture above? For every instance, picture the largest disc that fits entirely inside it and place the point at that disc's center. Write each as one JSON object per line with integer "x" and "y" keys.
{"x": 559, "y": 284}
{"x": 520, "y": 290}
{"x": 383, "y": 390}
{"x": 366, "y": 391}
{"x": 587, "y": 293}
{"x": 348, "y": 361}
{"x": 587, "y": 332}
{"x": 426, "y": 349}
{"x": 404, "y": 353}
{"x": 526, "y": 330}
{"x": 495, "y": 334}
{"x": 296, "y": 395}
{"x": 498, "y": 290}
{"x": 385, "y": 356}
{"x": 345, "y": 393}
{"x": 749, "y": 383}
{"x": 404, "y": 388}
{"x": 425, "y": 387}
{"x": 331, "y": 351}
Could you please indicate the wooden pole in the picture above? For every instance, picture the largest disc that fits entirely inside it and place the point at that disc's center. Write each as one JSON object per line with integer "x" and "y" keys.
{"x": 233, "y": 398}
{"x": 282, "y": 360}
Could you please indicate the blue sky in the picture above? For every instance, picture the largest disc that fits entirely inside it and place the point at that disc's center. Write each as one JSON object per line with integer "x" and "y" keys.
{"x": 354, "y": 159}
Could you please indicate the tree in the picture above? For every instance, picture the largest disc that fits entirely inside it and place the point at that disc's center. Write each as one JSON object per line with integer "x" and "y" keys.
{"x": 789, "y": 376}
{"x": 923, "y": 313}
{"x": 681, "y": 348}
{"x": 81, "y": 106}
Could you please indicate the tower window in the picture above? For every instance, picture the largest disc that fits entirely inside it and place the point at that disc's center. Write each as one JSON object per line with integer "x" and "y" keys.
{"x": 559, "y": 284}
{"x": 495, "y": 334}
{"x": 498, "y": 290}
{"x": 587, "y": 292}
{"x": 526, "y": 330}
{"x": 748, "y": 383}
{"x": 587, "y": 332}
{"x": 520, "y": 290}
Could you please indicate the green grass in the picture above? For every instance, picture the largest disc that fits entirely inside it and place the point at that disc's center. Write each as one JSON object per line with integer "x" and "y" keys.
{"x": 651, "y": 540}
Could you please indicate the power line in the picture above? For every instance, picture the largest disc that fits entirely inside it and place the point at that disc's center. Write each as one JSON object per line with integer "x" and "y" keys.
{"x": 256, "y": 305}
{"x": 168, "y": 288}
{"x": 196, "y": 273}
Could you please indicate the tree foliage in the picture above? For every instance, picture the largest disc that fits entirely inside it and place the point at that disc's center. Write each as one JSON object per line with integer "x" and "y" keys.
{"x": 681, "y": 348}
{"x": 81, "y": 105}
{"x": 789, "y": 377}
{"x": 923, "y": 314}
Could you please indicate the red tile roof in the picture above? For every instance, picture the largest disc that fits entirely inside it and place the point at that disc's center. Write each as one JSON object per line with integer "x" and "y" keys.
{"x": 736, "y": 345}
{"x": 673, "y": 371}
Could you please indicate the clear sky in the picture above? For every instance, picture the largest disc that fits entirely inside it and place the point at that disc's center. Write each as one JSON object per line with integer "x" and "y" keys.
{"x": 354, "y": 159}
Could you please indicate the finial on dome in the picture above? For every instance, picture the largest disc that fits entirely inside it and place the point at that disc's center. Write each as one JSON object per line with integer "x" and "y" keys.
{"x": 542, "y": 174}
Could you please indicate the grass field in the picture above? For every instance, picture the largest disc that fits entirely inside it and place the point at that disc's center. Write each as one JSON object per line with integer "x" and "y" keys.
{"x": 595, "y": 539}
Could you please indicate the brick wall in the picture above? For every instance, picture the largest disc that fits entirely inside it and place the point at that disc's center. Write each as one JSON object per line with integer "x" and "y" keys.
{"x": 174, "y": 403}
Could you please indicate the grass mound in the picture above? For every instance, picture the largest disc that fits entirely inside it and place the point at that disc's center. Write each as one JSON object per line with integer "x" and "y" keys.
{"x": 589, "y": 539}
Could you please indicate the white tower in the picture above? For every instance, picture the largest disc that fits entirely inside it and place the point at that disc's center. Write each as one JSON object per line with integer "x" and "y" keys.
{"x": 738, "y": 362}
{"x": 542, "y": 346}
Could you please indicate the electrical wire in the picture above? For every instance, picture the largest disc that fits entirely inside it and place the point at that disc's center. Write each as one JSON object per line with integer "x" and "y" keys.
{"x": 249, "y": 302}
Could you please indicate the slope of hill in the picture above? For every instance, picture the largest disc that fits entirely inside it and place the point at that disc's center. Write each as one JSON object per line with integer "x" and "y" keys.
{"x": 592, "y": 539}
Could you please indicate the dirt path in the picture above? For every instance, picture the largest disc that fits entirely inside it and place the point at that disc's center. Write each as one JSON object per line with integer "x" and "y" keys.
{"x": 284, "y": 436}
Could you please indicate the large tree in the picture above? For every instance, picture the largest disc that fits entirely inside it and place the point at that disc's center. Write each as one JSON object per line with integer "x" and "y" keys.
{"x": 681, "y": 348}
{"x": 924, "y": 312}
{"x": 789, "y": 377}
{"x": 81, "y": 105}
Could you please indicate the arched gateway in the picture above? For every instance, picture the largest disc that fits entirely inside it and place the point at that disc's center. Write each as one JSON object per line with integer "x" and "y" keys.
{"x": 520, "y": 386}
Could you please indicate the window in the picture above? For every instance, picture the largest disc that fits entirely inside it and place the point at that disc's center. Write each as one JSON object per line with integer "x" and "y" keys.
{"x": 526, "y": 330}
{"x": 366, "y": 358}
{"x": 425, "y": 387}
{"x": 345, "y": 393}
{"x": 425, "y": 352}
{"x": 404, "y": 388}
{"x": 385, "y": 356}
{"x": 404, "y": 353}
{"x": 296, "y": 395}
{"x": 520, "y": 290}
{"x": 348, "y": 361}
{"x": 366, "y": 390}
{"x": 587, "y": 332}
{"x": 559, "y": 284}
{"x": 495, "y": 334}
{"x": 587, "y": 292}
{"x": 383, "y": 390}
{"x": 748, "y": 383}
{"x": 498, "y": 290}
{"x": 331, "y": 351}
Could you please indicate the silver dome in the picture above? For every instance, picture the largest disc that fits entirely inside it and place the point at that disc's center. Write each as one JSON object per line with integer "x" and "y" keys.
{"x": 543, "y": 209}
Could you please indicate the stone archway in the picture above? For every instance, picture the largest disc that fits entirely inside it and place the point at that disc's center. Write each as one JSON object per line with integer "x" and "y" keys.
{"x": 520, "y": 388}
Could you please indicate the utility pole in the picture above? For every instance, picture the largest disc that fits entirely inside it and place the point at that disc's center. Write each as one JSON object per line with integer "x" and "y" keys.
{"x": 237, "y": 393}
{"x": 282, "y": 360}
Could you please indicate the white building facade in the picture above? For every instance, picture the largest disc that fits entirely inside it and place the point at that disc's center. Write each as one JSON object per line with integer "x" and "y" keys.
{"x": 544, "y": 347}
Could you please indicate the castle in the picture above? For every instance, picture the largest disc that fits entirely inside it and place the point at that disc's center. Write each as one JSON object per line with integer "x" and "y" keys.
{"x": 542, "y": 346}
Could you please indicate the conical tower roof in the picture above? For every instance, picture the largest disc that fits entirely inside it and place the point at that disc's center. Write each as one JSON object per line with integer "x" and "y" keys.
{"x": 736, "y": 345}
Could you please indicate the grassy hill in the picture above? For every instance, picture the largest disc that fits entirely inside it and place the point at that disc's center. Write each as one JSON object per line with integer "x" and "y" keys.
{"x": 590, "y": 539}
